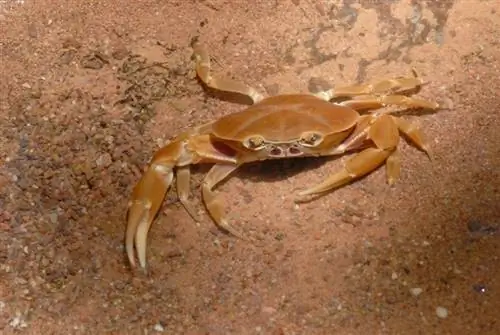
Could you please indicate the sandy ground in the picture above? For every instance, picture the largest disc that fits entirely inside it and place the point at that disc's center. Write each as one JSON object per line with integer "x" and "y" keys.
{"x": 91, "y": 89}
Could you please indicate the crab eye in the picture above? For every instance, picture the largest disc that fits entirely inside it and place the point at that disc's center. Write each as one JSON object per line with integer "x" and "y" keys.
{"x": 254, "y": 143}
{"x": 311, "y": 139}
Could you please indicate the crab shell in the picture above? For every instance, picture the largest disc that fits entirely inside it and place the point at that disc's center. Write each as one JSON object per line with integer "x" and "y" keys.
{"x": 286, "y": 126}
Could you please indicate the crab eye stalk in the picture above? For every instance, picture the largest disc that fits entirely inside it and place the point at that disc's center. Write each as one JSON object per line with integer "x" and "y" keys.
{"x": 254, "y": 143}
{"x": 310, "y": 139}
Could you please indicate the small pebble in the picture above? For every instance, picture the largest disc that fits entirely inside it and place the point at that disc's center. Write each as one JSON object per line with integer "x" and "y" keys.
{"x": 480, "y": 228}
{"x": 71, "y": 43}
{"x": 394, "y": 276}
{"x": 441, "y": 312}
{"x": 416, "y": 291}
{"x": 479, "y": 288}
{"x": 119, "y": 53}
{"x": 18, "y": 322}
{"x": 159, "y": 328}
{"x": 104, "y": 160}
{"x": 268, "y": 310}
{"x": 53, "y": 217}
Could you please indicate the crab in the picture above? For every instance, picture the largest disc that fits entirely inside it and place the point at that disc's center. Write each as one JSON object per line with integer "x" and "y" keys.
{"x": 276, "y": 127}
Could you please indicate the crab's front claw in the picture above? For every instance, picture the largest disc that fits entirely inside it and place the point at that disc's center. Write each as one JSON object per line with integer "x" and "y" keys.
{"x": 145, "y": 203}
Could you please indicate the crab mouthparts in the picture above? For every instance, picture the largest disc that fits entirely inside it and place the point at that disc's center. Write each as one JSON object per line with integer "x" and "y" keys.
{"x": 284, "y": 150}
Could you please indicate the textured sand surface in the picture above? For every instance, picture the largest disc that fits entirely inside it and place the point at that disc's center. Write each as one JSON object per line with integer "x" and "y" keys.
{"x": 89, "y": 90}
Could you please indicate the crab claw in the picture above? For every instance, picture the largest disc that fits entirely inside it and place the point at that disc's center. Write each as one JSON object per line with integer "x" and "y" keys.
{"x": 147, "y": 198}
{"x": 172, "y": 160}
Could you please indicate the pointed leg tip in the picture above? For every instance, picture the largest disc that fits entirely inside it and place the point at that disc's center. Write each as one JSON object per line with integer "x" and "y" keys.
{"x": 302, "y": 193}
{"x": 301, "y": 197}
{"x": 427, "y": 151}
{"x": 142, "y": 266}
{"x": 228, "y": 228}
{"x": 238, "y": 234}
{"x": 191, "y": 211}
{"x": 131, "y": 262}
{"x": 142, "y": 262}
{"x": 306, "y": 192}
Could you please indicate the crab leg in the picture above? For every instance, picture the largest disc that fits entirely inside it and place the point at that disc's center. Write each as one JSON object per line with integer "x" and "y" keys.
{"x": 183, "y": 178}
{"x": 382, "y": 87}
{"x": 385, "y": 135}
{"x": 365, "y": 102}
{"x": 213, "y": 203}
{"x": 410, "y": 130}
{"x": 413, "y": 133}
{"x": 223, "y": 84}
{"x": 393, "y": 167}
{"x": 150, "y": 191}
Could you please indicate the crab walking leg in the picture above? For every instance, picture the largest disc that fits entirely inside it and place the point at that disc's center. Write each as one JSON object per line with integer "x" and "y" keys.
{"x": 393, "y": 167}
{"x": 150, "y": 191}
{"x": 356, "y": 167}
{"x": 213, "y": 203}
{"x": 365, "y": 102}
{"x": 183, "y": 178}
{"x": 384, "y": 134}
{"x": 223, "y": 84}
{"x": 412, "y": 132}
{"x": 385, "y": 86}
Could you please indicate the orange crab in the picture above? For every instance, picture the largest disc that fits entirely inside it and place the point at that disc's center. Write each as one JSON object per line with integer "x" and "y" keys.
{"x": 282, "y": 126}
